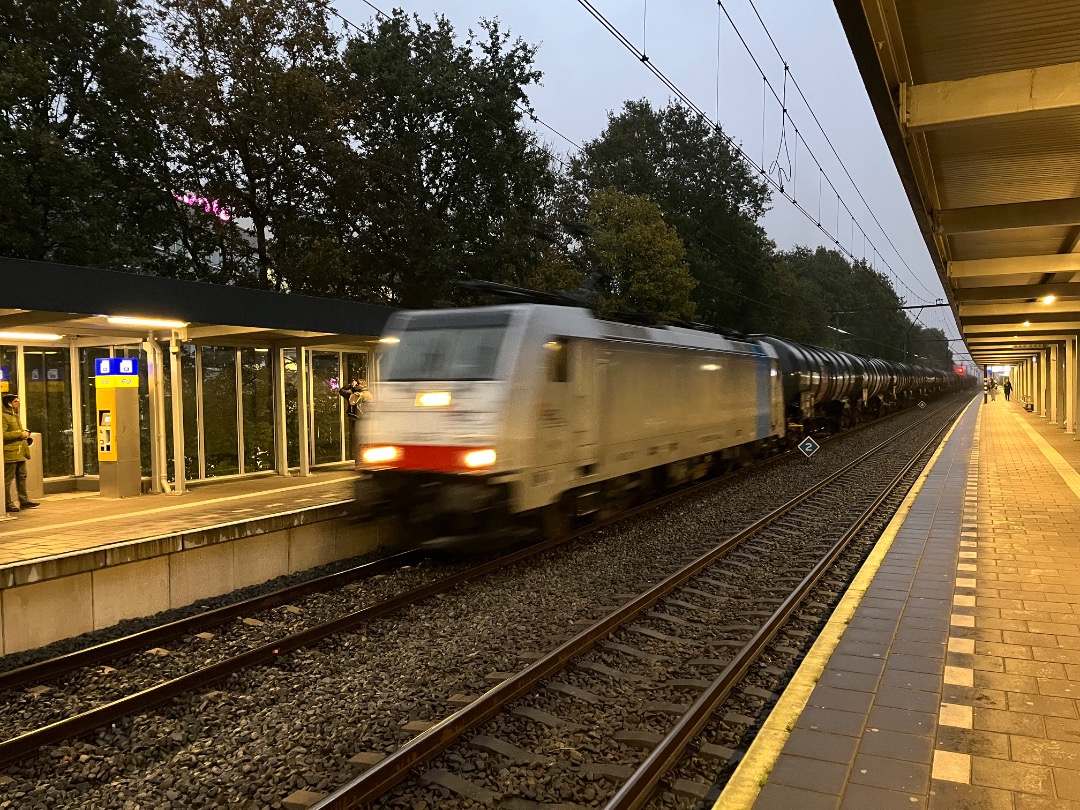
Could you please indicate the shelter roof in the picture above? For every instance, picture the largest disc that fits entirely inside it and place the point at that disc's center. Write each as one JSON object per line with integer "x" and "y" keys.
{"x": 980, "y": 106}
{"x": 77, "y": 302}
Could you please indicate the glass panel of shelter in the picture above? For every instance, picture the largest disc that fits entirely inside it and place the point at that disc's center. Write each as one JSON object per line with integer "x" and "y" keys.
{"x": 257, "y": 393}
{"x": 47, "y": 395}
{"x": 227, "y": 394}
{"x": 292, "y": 422}
{"x": 219, "y": 411}
{"x": 326, "y": 410}
{"x": 356, "y": 364}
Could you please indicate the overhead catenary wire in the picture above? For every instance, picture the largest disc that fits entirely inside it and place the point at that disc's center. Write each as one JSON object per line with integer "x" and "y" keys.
{"x": 828, "y": 140}
{"x": 781, "y": 100}
{"x": 643, "y": 58}
{"x": 536, "y": 119}
{"x": 689, "y": 103}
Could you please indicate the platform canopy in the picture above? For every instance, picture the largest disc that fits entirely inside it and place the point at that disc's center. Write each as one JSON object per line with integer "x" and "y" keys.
{"x": 94, "y": 307}
{"x": 979, "y": 101}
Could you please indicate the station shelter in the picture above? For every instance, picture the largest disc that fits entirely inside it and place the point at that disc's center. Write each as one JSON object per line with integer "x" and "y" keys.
{"x": 978, "y": 104}
{"x": 231, "y": 381}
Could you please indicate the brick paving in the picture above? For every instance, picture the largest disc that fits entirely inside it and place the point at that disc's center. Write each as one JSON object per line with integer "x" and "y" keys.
{"x": 956, "y": 683}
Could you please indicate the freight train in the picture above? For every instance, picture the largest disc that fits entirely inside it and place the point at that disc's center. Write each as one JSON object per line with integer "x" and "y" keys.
{"x": 490, "y": 421}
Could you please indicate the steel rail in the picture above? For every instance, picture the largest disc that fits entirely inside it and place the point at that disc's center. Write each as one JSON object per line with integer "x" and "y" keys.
{"x": 384, "y": 775}
{"x": 55, "y": 667}
{"x": 637, "y": 790}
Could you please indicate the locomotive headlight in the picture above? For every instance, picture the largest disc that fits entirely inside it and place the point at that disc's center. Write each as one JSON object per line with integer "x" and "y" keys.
{"x": 480, "y": 458}
{"x": 380, "y": 455}
{"x": 433, "y": 399}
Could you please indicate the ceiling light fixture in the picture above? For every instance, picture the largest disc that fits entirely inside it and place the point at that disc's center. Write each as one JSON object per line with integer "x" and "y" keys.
{"x": 29, "y": 336}
{"x": 154, "y": 323}
{"x": 1048, "y": 299}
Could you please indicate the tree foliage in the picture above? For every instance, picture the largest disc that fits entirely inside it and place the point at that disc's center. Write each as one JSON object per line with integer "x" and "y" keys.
{"x": 639, "y": 257}
{"x": 824, "y": 292}
{"x": 456, "y": 184}
{"x": 255, "y": 105}
{"x": 80, "y": 153}
{"x": 704, "y": 189}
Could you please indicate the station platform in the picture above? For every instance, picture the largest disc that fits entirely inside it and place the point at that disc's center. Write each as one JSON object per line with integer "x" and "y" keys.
{"x": 949, "y": 677}
{"x": 82, "y": 562}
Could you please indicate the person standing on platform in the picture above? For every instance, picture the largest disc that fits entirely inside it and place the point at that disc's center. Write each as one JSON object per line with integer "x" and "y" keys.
{"x": 1007, "y": 388}
{"x": 993, "y": 389}
{"x": 16, "y": 453}
{"x": 355, "y": 395}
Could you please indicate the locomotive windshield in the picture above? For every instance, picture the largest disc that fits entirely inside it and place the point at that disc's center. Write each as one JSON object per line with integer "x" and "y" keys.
{"x": 444, "y": 353}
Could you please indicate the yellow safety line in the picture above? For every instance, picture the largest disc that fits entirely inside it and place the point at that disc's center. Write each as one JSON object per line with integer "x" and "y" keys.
{"x": 1064, "y": 468}
{"x": 127, "y": 516}
{"x": 753, "y": 771}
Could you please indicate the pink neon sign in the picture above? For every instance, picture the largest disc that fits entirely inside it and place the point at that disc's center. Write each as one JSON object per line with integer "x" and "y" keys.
{"x": 209, "y": 206}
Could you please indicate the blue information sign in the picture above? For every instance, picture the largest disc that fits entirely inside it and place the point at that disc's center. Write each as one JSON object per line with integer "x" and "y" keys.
{"x": 116, "y": 366}
{"x": 808, "y": 446}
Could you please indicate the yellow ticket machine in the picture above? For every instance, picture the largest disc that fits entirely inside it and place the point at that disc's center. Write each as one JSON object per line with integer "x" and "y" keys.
{"x": 116, "y": 386}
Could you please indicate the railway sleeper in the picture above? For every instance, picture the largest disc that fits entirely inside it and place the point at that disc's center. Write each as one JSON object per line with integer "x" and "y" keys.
{"x": 638, "y": 738}
{"x": 690, "y": 789}
{"x": 302, "y": 800}
{"x": 460, "y": 786}
{"x": 574, "y": 692}
{"x": 545, "y": 718}
{"x": 519, "y": 756}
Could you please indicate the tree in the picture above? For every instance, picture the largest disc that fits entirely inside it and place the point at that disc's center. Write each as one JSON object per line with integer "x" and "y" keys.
{"x": 794, "y": 306}
{"x": 80, "y": 153}
{"x": 826, "y": 290}
{"x": 455, "y": 185}
{"x": 638, "y": 256}
{"x": 928, "y": 346}
{"x": 704, "y": 189}
{"x": 256, "y": 107}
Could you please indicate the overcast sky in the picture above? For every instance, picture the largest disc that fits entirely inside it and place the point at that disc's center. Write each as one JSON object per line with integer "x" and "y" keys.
{"x": 588, "y": 73}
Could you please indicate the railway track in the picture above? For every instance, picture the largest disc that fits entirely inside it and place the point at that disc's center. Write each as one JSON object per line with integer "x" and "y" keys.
{"x": 84, "y": 722}
{"x": 649, "y": 654}
{"x": 257, "y": 651}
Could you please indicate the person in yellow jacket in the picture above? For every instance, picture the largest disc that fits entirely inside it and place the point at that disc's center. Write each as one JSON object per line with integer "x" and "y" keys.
{"x": 16, "y": 453}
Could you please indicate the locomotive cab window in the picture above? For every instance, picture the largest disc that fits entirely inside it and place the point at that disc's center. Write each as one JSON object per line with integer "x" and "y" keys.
{"x": 445, "y": 353}
{"x": 557, "y": 363}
